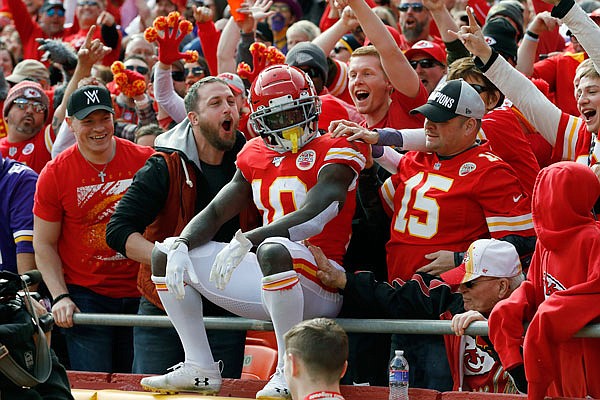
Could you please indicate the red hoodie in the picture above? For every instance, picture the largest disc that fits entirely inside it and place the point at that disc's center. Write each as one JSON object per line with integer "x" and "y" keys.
{"x": 562, "y": 291}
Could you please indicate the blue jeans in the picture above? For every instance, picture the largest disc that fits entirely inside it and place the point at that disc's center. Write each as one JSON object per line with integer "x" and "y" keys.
{"x": 427, "y": 359}
{"x": 100, "y": 348}
{"x": 156, "y": 349}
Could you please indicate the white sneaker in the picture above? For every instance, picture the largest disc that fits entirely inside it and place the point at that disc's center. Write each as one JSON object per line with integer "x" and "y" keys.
{"x": 276, "y": 389}
{"x": 185, "y": 378}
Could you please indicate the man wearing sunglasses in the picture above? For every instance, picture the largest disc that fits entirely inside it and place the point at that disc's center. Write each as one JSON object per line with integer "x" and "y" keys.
{"x": 414, "y": 21}
{"x": 29, "y": 140}
{"x": 49, "y": 25}
{"x": 93, "y": 13}
{"x": 429, "y": 62}
{"x": 490, "y": 272}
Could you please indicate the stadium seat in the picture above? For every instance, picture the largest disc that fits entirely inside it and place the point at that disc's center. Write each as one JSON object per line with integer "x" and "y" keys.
{"x": 259, "y": 362}
{"x": 261, "y": 338}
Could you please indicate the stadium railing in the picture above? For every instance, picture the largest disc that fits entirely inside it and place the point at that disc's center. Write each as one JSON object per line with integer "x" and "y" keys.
{"x": 406, "y": 326}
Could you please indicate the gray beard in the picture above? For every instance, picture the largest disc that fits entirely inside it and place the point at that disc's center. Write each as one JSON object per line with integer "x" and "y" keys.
{"x": 414, "y": 33}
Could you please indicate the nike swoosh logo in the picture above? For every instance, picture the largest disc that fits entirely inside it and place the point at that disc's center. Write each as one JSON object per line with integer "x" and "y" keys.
{"x": 517, "y": 198}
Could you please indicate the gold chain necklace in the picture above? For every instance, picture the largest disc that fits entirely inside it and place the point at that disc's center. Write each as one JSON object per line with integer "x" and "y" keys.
{"x": 101, "y": 173}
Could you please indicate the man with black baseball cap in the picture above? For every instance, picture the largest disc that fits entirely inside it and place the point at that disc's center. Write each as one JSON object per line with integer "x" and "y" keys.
{"x": 445, "y": 198}
{"x": 77, "y": 193}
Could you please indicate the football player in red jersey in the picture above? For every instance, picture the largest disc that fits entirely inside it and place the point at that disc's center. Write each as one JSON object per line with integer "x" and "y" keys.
{"x": 304, "y": 186}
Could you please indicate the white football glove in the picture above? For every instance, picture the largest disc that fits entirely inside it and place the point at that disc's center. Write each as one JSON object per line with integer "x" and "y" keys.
{"x": 228, "y": 259}
{"x": 178, "y": 262}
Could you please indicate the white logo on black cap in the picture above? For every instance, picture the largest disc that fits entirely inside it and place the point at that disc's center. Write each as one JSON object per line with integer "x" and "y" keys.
{"x": 92, "y": 96}
{"x": 443, "y": 100}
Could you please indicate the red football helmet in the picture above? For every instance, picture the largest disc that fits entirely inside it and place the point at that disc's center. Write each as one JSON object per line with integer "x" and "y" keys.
{"x": 285, "y": 108}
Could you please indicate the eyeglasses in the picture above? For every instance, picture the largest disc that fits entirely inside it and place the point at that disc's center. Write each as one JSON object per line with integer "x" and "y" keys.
{"x": 471, "y": 284}
{"x": 89, "y": 3}
{"x": 417, "y": 7}
{"x": 339, "y": 49}
{"x": 424, "y": 63}
{"x": 178, "y": 76}
{"x": 35, "y": 105}
{"x": 196, "y": 71}
{"x": 55, "y": 11}
{"x": 478, "y": 88}
{"x": 280, "y": 8}
{"x": 139, "y": 68}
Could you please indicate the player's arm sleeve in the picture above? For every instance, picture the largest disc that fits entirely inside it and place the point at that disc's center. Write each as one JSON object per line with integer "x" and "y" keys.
{"x": 140, "y": 205}
{"x": 540, "y": 111}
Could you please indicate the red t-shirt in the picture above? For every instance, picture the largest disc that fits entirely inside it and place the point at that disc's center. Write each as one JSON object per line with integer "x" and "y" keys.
{"x": 281, "y": 181}
{"x": 35, "y": 152}
{"x": 446, "y": 204}
{"x": 70, "y": 191}
{"x": 398, "y": 116}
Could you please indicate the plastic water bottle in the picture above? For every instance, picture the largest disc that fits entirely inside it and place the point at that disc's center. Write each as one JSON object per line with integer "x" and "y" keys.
{"x": 399, "y": 377}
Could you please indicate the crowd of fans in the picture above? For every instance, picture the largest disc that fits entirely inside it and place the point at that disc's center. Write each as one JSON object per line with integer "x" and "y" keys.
{"x": 460, "y": 104}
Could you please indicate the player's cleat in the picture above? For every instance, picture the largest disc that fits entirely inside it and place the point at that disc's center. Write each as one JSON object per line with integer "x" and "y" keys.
{"x": 185, "y": 378}
{"x": 276, "y": 389}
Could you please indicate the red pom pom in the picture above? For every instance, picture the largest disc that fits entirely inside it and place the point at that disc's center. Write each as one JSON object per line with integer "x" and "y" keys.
{"x": 150, "y": 34}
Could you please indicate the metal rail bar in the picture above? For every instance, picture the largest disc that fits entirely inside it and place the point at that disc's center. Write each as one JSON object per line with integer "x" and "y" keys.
{"x": 406, "y": 326}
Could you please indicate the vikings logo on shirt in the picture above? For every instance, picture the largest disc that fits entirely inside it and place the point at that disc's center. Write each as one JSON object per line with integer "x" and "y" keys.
{"x": 306, "y": 160}
{"x": 466, "y": 168}
{"x": 551, "y": 285}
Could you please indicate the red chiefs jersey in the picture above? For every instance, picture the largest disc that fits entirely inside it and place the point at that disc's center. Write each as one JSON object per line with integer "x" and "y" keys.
{"x": 507, "y": 140}
{"x": 559, "y": 72}
{"x": 446, "y": 204}
{"x": 281, "y": 181}
{"x": 573, "y": 141}
{"x": 35, "y": 152}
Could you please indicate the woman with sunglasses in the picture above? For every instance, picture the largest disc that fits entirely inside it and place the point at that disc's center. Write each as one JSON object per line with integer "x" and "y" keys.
{"x": 193, "y": 72}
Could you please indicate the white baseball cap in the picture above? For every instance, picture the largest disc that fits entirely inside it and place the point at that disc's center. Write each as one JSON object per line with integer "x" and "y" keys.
{"x": 486, "y": 257}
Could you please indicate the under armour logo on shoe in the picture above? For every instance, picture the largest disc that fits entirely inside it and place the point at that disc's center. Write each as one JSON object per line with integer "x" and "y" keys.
{"x": 198, "y": 382}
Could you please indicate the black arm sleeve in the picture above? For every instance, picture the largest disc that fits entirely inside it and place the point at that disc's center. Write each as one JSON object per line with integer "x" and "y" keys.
{"x": 110, "y": 35}
{"x": 455, "y": 50}
{"x": 140, "y": 205}
{"x": 422, "y": 297}
{"x": 243, "y": 52}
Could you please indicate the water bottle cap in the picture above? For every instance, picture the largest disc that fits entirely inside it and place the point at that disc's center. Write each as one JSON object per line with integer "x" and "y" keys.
{"x": 399, "y": 352}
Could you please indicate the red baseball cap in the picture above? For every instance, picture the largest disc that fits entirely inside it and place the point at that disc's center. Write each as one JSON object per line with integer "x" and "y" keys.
{"x": 428, "y": 48}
